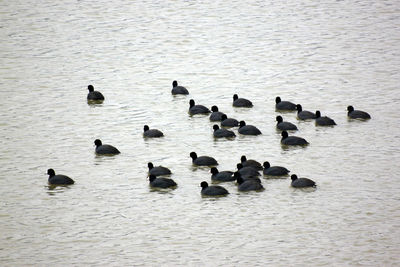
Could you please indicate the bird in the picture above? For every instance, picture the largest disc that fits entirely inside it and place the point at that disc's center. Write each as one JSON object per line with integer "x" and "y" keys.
{"x": 223, "y": 176}
{"x": 228, "y": 122}
{"x": 250, "y": 163}
{"x": 301, "y": 182}
{"x": 178, "y": 90}
{"x": 105, "y": 149}
{"x": 161, "y": 182}
{"x": 357, "y": 114}
{"x": 284, "y": 105}
{"x": 147, "y": 132}
{"x": 323, "y": 121}
{"x": 58, "y": 179}
{"x": 94, "y": 95}
{"x": 237, "y": 174}
{"x": 248, "y": 129}
{"x": 213, "y": 190}
{"x": 274, "y": 170}
{"x": 304, "y": 114}
{"x": 203, "y": 160}
{"x": 221, "y": 132}
{"x": 249, "y": 184}
{"x": 248, "y": 171}
{"x": 285, "y": 125}
{"x": 216, "y": 115}
{"x": 159, "y": 170}
{"x": 292, "y": 140}
{"x": 241, "y": 102}
{"x": 197, "y": 109}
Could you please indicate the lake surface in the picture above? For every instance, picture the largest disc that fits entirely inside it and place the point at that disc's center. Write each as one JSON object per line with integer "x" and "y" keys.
{"x": 325, "y": 55}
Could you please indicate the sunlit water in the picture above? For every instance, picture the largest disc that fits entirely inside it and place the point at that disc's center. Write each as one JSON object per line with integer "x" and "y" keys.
{"x": 324, "y": 55}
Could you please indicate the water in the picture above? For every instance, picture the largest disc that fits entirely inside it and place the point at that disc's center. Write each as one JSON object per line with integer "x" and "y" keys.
{"x": 323, "y": 55}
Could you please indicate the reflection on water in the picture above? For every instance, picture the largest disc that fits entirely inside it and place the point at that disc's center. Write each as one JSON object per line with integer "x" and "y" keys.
{"x": 55, "y": 189}
{"x": 325, "y": 56}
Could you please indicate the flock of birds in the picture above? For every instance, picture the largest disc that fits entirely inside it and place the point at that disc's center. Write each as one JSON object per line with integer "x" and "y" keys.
{"x": 248, "y": 170}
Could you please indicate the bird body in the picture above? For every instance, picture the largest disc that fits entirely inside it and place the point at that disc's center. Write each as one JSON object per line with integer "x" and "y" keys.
{"x": 94, "y": 95}
{"x": 197, "y": 109}
{"x": 105, "y": 149}
{"x": 178, "y": 90}
{"x": 58, "y": 179}
{"x": 161, "y": 182}
{"x": 301, "y": 182}
{"x": 213, "y": 190}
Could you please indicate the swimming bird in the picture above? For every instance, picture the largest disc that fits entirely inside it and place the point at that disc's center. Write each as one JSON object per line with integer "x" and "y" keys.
{"x": 301, "y": 182}
{"x": 213, "y": 190}
{"x": 250, "y": 163}
{"x": 237, "y": 174}
{"x": 292, "y": 140}
{"x": 197, "y": 109}
{"x": 241, "y": 102}
{"x": 223, "y": 176}
{"x": 304, "y": 114}
{"x": 284, "y": 125}
{"x": 178, "y": 90}
{"x": 274, "y": 170}
{"x": 161, "y": 182}
{"x": 203, "y": 160}
{"x": 248, "y": 129}
{"x": 221, "y": 132}
{"x": 105, "y": 149}
{"x": 58, "y": 179}
{"x": 159, "y": 170}
{"x": 228, "y": 122}
{"x": 357, "y": 114}
{"x": 94, "y": 95}
{"x": 248, "y": 171}
{"x": 284, "y": 105}
{"x": 147, "y": 132}
{"x": 216, "y": 115}
{"x": 323, "y": 121}
{"x": 249, "y": 184}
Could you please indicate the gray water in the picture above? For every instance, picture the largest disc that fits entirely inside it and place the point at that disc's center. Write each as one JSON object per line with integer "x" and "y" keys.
{"x": 325, "y": 55}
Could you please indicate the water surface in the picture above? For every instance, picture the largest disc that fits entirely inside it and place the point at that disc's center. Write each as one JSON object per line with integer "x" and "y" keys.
{"x": 324, "y": 55}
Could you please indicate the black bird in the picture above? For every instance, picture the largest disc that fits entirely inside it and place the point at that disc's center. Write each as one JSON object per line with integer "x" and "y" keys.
{"x": 213, "y": 190}
{"x": 241, "y": 102}
{"x": 147, "y": 132}
{"x": 284, "y": 105}
{"x": 247, "y": 171}
{"x": 159, "y": 170}
{"x": 304, "y": 114}
{"x": 323, "y": 121}
{"x": 250, "y": 163}
{"x": 284, "y": 125}
{"x": 222, "y": 132}
{"x": 58, "y": 179}
{"x": 178, "y": 90}
{"x": 197, "y": 109}
{"x": 237, "y": 174}
{"x": 249, "y": 185}
{"x": 274, "y": 170}
{"x": 94, "y": 95}
{"x": 161, "y": 182}
{"x": 302, "y": 182}
{"x": 105, "y": 149}
{"x": 216, "y": 115}
{"x": 292, "y": 140}
{"x": 248, "y": 129}
{"x": 228, "y": 122}
{"x": 223, "y": 176}
{"x": 203, "y": 160}
{"x": 357, "y": 114}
